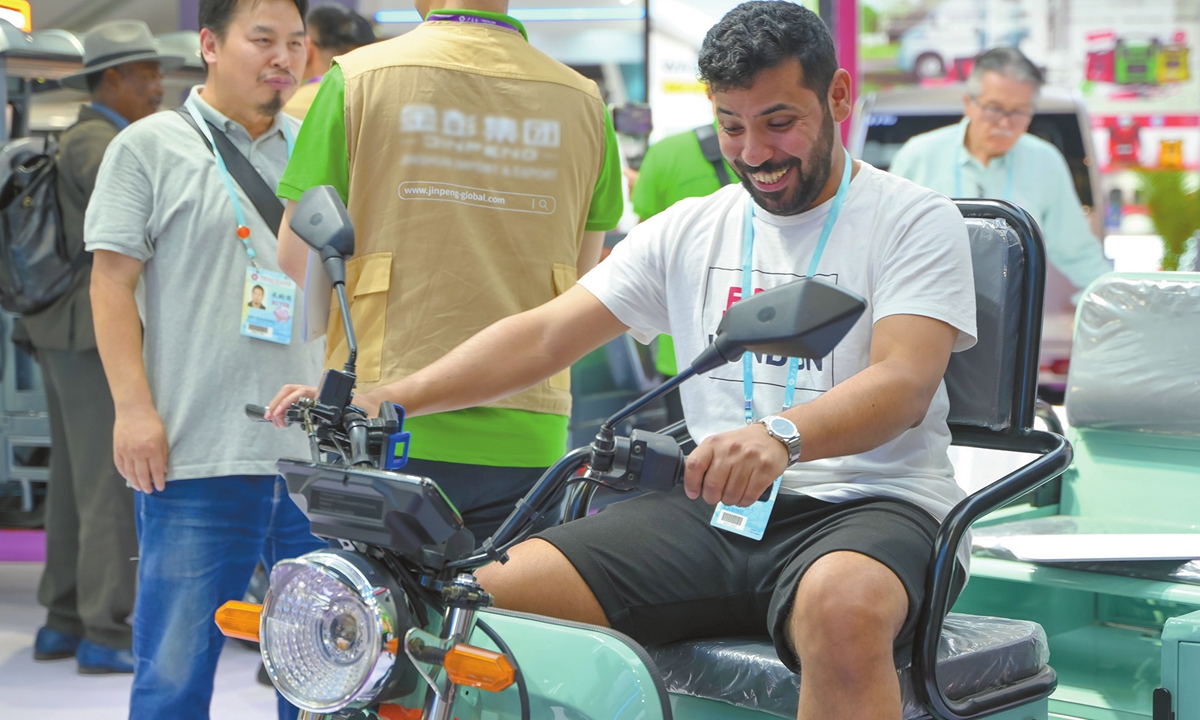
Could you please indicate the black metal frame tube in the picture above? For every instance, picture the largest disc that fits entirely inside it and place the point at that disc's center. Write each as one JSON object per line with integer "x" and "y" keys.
{"x": 528, "y": 508}
{"x": 1019, "y": 436}
{"x": 1055, "y": 458}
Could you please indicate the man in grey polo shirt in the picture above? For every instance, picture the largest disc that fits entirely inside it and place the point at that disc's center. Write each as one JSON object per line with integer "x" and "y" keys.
{"x": 165, "y": 214}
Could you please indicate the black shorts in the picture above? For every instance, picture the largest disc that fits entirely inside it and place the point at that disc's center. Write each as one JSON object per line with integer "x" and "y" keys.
{"x": 662, "y": 574}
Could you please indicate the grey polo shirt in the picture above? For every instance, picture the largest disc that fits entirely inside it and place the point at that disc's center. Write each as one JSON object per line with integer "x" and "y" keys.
{"x": 159, "y": 198}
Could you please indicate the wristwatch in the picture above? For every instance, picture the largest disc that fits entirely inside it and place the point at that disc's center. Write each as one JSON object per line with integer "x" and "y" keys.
{"x": 784, "y": 431}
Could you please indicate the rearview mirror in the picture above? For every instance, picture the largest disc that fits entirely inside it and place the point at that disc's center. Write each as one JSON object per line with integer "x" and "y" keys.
{"x": 322, "y": 222}
{"x": 802, "y": 319}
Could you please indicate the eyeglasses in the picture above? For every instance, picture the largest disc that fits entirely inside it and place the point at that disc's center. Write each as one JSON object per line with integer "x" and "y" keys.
{"x": 993, "y": 114}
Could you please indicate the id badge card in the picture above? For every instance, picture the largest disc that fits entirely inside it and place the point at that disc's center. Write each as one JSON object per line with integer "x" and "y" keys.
{"x": 268, "y": 306}
{"x": 749, "y": 521}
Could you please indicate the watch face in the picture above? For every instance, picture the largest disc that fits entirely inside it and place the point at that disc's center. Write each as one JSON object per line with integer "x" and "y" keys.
{"x": 782, "y": 426}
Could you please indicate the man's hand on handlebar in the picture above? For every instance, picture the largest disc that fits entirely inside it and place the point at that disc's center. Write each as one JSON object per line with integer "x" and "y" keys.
{"x": 291, "y": 394}
{"x": 140, "y": 448}
{"x": 735, "y": 467}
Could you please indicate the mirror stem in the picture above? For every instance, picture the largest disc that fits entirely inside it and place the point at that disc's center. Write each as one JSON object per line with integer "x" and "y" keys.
{"x": 603, "y": 448}
{"x": 348, "y": 327}
{"x": 641, "y": 402}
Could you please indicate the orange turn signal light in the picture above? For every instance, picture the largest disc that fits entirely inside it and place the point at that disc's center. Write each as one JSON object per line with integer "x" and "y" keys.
{"x": 478, "y": 668}
{"x": 239, "y": 620}
{"x": 397, "y": 712}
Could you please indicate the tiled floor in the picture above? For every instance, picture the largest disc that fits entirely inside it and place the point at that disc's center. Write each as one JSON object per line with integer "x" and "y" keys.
{"x": 54, "y": 691}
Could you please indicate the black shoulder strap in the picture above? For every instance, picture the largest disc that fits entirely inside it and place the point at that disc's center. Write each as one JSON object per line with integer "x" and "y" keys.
{"x": 79, "y": 261}
{"x": 711, "y": 147}
{"x": 268, "y": 206}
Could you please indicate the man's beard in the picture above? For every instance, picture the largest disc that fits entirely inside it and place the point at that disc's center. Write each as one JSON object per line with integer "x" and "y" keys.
{"x": 810, "y": 183}
{"x": 272, "y": 107}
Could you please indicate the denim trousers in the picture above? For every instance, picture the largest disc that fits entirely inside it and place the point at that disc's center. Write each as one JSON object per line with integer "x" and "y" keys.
{"x": 199, "y": 542}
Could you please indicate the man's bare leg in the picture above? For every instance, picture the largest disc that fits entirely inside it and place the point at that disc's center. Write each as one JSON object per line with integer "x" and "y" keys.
{"x": 539, "y": 579}
{"x": 849, "y": 609}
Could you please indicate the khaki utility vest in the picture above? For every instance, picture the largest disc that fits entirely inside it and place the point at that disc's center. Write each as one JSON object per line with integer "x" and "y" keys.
{"x": 473, "y": 158}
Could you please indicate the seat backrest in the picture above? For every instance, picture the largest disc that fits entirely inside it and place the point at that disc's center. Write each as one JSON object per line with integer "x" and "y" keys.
{"x": 1135, "y": 362}
{"x": 993, "y": 386}
{"x": 1133, "y": 402}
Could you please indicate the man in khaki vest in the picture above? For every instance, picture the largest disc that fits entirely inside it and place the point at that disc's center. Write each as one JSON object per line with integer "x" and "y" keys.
{"x": 481, "y": 176}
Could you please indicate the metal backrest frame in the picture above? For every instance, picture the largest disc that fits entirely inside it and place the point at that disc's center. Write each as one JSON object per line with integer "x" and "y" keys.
{"x": 1018, "y": 435}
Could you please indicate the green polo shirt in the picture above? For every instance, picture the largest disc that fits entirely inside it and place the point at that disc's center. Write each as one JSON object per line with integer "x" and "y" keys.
{"x": 674, "y": 169}
{"x": 476, "y": 436}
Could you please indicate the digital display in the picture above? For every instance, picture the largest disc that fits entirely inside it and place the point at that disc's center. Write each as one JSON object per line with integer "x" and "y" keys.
{"x": 336, "y": 503}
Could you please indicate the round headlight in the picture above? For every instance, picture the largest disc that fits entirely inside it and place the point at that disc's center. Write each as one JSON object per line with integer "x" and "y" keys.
{"x": 327, "y": 623}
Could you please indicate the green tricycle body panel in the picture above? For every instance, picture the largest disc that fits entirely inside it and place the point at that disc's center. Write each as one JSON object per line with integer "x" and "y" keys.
{"x": 1181, "y": 665}
{"x": 572, "y": 672}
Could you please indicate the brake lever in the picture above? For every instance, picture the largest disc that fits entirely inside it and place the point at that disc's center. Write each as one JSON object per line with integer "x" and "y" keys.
{"x": 257, "y": 413}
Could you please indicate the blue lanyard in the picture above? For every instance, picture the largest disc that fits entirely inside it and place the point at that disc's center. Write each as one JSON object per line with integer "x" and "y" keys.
{"x": 243, "y": 230}
{"x": 789, "y": 393}
{"x": 1008, "y": 159}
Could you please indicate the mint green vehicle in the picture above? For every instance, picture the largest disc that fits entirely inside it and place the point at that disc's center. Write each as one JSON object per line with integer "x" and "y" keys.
{"x": 393, "y": 625}
{"x": 1108, "y": 565}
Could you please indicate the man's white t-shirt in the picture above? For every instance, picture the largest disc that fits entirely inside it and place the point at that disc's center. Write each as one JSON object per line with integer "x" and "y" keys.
{"x": 900, "y": 246}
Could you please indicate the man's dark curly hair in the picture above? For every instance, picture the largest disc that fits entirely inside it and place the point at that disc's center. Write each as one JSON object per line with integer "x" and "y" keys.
{"x": 760, "y": 35}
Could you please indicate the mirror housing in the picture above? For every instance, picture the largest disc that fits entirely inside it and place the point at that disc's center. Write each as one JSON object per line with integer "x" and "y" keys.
{"x": 321, "y": 221}
{"x": 802, "y": 319}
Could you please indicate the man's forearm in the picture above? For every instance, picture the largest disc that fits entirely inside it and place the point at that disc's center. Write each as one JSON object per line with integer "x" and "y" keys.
{"x": 508, "y": 356}
{"x": 870, "y": 409}
{"x": 909, "y": 355}
{"x": 119, "y": 340}
{"x": 291, "y": 251}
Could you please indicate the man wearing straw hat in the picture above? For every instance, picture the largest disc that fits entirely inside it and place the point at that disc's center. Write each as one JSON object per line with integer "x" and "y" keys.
{"x": 88, "y": 583}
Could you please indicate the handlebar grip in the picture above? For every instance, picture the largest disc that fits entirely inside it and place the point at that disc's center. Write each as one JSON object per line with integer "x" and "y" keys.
{"x": 256, "y": 412}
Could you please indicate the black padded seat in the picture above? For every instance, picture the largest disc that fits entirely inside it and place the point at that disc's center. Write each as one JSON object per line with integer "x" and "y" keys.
{"x": 977, "y": 654}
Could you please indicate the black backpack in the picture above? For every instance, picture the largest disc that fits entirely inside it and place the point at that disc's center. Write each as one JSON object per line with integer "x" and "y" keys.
{"x": 35, "y": 266}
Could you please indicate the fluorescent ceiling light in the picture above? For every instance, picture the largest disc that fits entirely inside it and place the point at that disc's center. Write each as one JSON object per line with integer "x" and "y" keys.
{"x": 568, "y": 14}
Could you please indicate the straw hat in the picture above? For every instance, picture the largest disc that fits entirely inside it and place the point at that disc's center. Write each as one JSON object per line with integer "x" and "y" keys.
{"x": 116, "y": 43}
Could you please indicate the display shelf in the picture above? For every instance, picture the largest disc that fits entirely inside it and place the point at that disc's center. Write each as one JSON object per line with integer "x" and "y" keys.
{"x": 1022, "y": 572}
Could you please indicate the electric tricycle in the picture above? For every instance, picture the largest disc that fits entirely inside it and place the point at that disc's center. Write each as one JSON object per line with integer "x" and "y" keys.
{"x": 390, "y": 623}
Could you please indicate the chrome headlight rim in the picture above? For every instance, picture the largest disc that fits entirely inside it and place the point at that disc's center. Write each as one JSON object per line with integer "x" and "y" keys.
{"x": 366, "y": 580}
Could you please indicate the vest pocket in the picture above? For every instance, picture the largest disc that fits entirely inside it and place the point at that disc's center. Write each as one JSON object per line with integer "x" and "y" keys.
{"x": 563, "y": 276}
{"x": 368, "y": 279}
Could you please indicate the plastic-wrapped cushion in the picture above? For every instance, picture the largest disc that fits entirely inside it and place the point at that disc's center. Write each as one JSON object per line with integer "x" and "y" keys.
{"x": 979, "y": 380}
{"x": 976, "y": 654}
{"x": 1135, "y": 363}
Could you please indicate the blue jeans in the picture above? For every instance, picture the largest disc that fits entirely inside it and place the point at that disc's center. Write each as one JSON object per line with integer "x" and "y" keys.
{"x": 199, "y": 542}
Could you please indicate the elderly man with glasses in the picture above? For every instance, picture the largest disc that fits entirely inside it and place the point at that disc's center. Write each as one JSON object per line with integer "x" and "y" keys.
{"x": 990, "y": 154}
